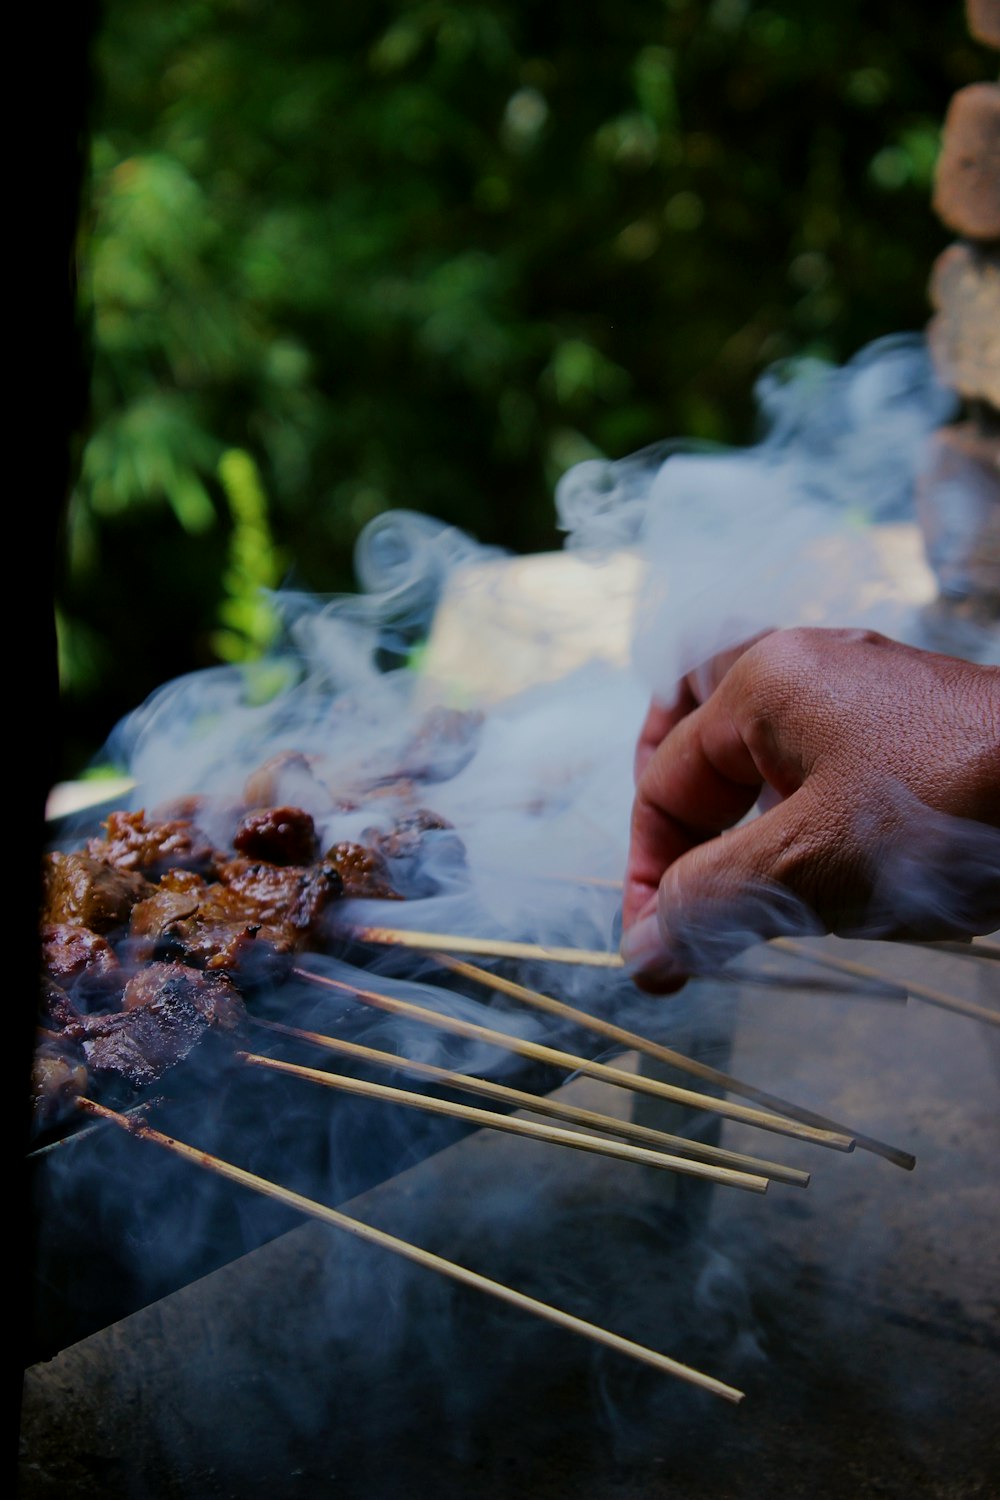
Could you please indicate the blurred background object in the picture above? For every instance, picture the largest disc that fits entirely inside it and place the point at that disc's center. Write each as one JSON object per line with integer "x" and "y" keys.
{"x": 958, "y": 500}
{"x": 335, "y": 260}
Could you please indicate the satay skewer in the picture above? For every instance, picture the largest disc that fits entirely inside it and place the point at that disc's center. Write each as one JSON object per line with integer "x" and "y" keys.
{"x": 530, "y": 1129}
{"x": 400, "y": 937}
{"x": 486, "y": 947}
{"x": 588, "y": 1119}
{"x": 426, "y": 1258}
{"x": 679, "y": 1060}
{"x": 593, "y": 958}
{"x": 600, "y": 958}
{"x": 973, "y": 948}
{"x": 914, "y": 987}
{"x": 573, "y": 1064}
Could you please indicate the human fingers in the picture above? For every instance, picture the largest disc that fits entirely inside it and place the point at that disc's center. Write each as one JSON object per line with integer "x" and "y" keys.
{"x": 694, "y": 688}
{"x": 702, "y": 778}
{"x": 661, "y": 718}
{"x": 795, "y": 868}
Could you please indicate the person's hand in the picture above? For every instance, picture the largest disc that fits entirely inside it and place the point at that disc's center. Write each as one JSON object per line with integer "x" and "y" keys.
{"x": 877, "y": 769}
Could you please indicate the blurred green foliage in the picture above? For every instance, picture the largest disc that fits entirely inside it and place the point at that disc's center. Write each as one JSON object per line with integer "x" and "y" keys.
{"x": 250, "y": 623}
{"x": 428, "y": 254}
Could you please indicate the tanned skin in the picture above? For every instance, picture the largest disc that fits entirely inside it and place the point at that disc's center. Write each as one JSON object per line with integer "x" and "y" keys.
{"x": 866, "y": 757}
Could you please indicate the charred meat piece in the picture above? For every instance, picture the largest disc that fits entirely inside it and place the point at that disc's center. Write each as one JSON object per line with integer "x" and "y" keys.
{"x": 85, "y": 892}
{"x": 80, "y": 959}
{"x": 282, "y": 835}
{"x": 209, "y": 926}
{"x": 289, "y": 896}
{"x": 165, "y": 987}
{"x": 251, "y": 952}
{"x": 404, "y": 838}
{"x": 168, "y": 1008}
{"x": 178, "y": 895}
{"x": 56, "y": 1010}
{"x": 133, "y": 843}
{"x": 419, "y": 848}
{"x": 58, "y": 1078}
{"x": 247, "y": 920}
{"x": 362, "y": 872}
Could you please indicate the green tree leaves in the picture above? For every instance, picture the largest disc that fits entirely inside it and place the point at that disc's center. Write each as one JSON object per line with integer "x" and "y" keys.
{"x": 427, "y": 254}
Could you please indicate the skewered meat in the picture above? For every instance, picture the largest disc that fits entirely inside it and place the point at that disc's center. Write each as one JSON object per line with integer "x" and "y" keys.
{"x": 256, "y": 913}
{"x": 444, "y": 742}
{"x": 404, "y": 839}
{"x": 178, "y": 895}
{"x": 418, "y": 848}
{"x": 133, "y": 843}
{"x": 167, "y": 1009}
{"x": 210, "y": 927}
{"x": 362, "y": 872}
{"x": 196, "y": 919}
{"x": 283, "y": 835}
{"x": 165, "y": 987}
{"x": 81, "y": 959}
{"x": 57, "y": 1011}
{"x": 278, "y": 895}
{"x": 82, "y": 889}
{"x": 58, "y": 1076}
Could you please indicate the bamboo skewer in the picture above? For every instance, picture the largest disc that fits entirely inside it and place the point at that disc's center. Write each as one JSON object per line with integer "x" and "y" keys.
{"x": 567, "y": 1060}
{"x": 594, "y": 958}
{"x": 404, "y": 1248}
{"x": 486, "y": 947}
{"x": 913, "y": 986}
{"x": 974, "y": 948}
{"x": 589, "y": 1119}
{"x": 142, "y": 1108}
{"x": 552, "y": 1134}
{"x": 674, "y": 1059}
{"x": 884, "y": 991}
{"x": 505, "y": 949}
{"x": 398, "y": 937}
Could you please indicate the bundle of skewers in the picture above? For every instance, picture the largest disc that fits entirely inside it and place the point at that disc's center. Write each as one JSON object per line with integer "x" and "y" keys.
{"x": 154, "y": 934}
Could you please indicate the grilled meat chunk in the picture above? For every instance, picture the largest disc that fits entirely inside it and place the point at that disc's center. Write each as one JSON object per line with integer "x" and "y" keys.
{"x": 419, "y": 848}
{"x": 167, "y": 1009}
{"x": 80, "y": 959}
{"x": 362, "y": 872}
{"x": 179, "y": 895}
{"x": 442, "y": 744}
{"x": 164, "y": 987}
{"x": 133, "y": 843}
{"x": 58, "y": 1077}
{"x": 283, "y": 835}
{"x": 209, "y": 926}
{"x": 196, "y": 920}
{"x": 404, "y": 838}
{"x": 84, "y": 891}
{"x": 291, "y": 896}
{"x": 56, "y": 1010}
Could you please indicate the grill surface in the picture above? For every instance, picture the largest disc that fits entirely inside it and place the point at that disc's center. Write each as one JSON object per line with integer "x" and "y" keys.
{"x": 860, "y": 1316}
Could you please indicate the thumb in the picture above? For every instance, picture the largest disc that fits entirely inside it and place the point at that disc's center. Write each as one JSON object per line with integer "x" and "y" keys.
{"x": 779, "y": 873}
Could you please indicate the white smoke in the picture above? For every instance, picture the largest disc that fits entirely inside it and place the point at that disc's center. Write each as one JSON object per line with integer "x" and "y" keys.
{"x": 807, "y": 527}
{"x": 814, "y": 525}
